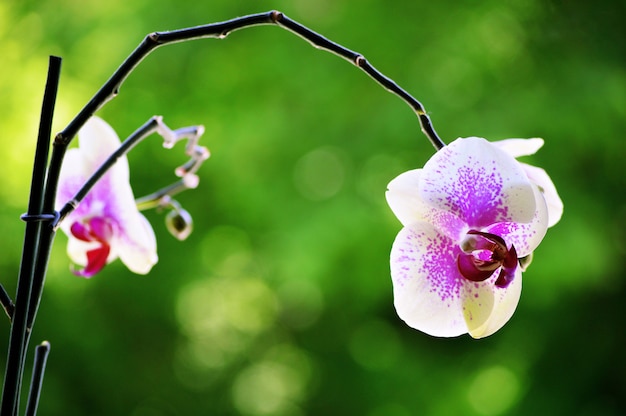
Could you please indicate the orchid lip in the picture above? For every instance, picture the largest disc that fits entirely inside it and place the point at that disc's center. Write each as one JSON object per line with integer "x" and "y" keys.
{"x": 96, "y": 230}
{"x": 482, "y": 254}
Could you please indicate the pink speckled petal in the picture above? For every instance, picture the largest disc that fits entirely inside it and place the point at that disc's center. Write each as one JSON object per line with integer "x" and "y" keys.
{"x": 405, "y": 202}
{"x": 478, "y": 183}
{"x": 427, "y": 286}
{"x": 487, "y": 308}
{"x": 524, "y": 237}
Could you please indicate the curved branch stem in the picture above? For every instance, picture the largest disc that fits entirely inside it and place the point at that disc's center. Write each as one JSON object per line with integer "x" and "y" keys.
{"x": 222, "y": 29}
{"x": 219, "y": 31}
{"x": 160, "y": 197}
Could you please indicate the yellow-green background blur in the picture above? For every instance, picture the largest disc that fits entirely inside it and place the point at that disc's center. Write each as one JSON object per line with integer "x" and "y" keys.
{"x": 280, "y": 302}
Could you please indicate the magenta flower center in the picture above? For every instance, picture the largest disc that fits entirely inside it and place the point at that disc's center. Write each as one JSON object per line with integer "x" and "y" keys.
{"x": 484, "y": 253}
{"x": 96, "y": 230}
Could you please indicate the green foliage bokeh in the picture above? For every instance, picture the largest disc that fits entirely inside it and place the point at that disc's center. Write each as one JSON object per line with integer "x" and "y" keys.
{"x": 280, "y": 301}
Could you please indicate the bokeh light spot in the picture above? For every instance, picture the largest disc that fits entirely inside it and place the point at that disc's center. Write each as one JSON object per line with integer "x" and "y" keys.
{"x": 220, "y": 317}
{"x": 494, "y": 391}
{"x": 320, "y": 174}
{"x": 275, "y": 385}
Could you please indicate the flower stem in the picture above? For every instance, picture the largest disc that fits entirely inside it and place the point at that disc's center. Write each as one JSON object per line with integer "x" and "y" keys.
{"x": 219, "y": 31}
{"x": 39, "y": 367}
{"x": 19, "y": 336}
{"x": 160, "y": 197}
{"x": 7, "y": 303}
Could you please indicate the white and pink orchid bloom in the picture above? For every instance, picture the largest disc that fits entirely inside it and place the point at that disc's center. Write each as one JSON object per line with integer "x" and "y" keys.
{"x": 106, "y": 224}
{"x": 468, "y": 216}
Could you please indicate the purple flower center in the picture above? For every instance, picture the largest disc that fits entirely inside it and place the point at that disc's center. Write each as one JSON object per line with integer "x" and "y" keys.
{"x": 484, "y": 253}
{"x": 100, "y": 231}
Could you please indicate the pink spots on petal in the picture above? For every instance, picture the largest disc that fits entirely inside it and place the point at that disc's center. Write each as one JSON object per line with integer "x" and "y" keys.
{"x": 424, "y": 255}
{"x": 476, "y": 197}
{"x": 438, "y": 267}
{"x": 519, "y": 235}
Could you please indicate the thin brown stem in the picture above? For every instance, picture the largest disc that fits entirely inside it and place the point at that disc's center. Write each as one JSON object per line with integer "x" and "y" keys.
{"x": 219, "y": 31}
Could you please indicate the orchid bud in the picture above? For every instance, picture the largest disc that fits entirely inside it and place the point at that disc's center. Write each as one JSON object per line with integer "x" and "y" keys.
{"x": 179, "y": 223}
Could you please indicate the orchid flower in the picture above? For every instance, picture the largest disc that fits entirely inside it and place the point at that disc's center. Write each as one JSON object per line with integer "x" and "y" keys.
{"x": 106, "y": 224}
{"x": 469, "y": 215}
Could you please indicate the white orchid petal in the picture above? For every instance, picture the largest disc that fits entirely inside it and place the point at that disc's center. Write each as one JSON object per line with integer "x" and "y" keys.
{"x": 477, "y": 182}
{"x": 403, "y": 198}
{"x": 427, "y": 285}
{"x": 97, "y": 140}
{"x": 137, "y": 246}
{"x": 487, "y": 308}
{"x": 519, "y": 147}
{"x": 405, "y": 202}
{"x": 74, "y": 173}
{"x": 77, "y": 250}
{"x": 540, "y": 178}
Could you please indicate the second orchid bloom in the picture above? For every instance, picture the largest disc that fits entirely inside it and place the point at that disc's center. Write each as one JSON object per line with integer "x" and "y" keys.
{"x": 469, "y": 215}
{"x": 106, "y": 224}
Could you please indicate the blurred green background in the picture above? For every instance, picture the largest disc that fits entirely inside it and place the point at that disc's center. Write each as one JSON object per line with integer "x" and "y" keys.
{"x": 280, "y": 301}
